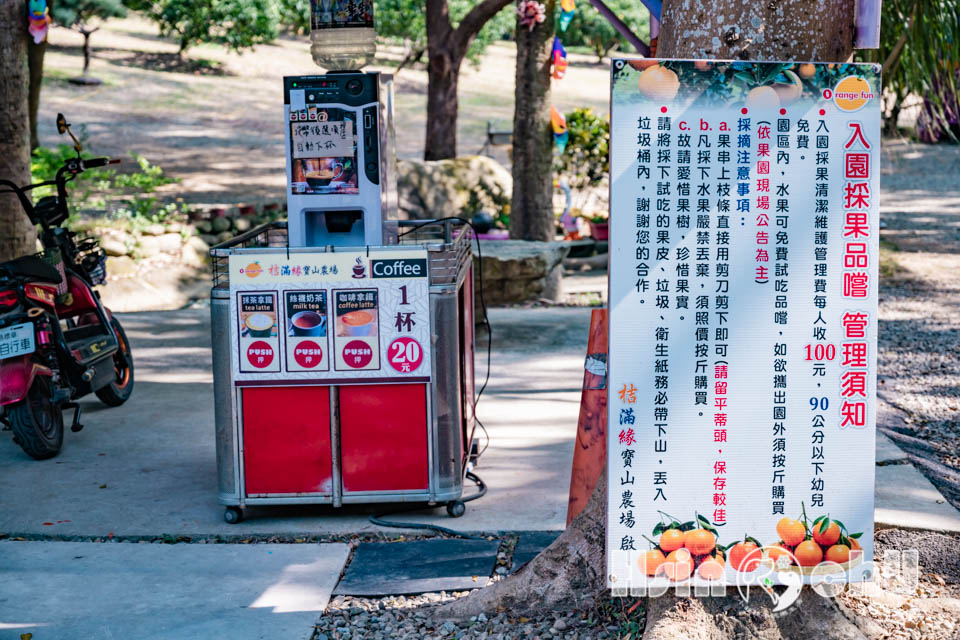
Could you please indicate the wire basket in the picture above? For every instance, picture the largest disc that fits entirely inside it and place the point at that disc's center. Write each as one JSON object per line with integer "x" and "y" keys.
{"x": 92, "y": 259}
{"x": 54, "y": 258}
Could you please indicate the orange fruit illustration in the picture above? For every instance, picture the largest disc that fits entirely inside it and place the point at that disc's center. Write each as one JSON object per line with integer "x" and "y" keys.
{"x": 650, "y": 561}
{"x": 763, "y": 98}
{"x": 808, "y": 553}
{"x": 828, "y": 537}
{"x": 658, "y": 83}
{"x": 671, "y": 540}
{"x": 678, "y": 565}
{"x": 703, "y": 65}
{"x": 807, "y": 70}
{"x": 739, "y": 556}
{"x": 838, "y": 553}
{"x": 788, "y": 92}
{"x": 777, "y": 551}
{"x": 791, "y": 531}
{"x": 699, "y": 541}
{"x": 252, "y": 270}
{"x": 854, "y": 545}
{"x": 711, "y": 568}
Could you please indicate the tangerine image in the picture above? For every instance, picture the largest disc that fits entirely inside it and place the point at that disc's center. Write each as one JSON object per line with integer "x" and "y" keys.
{"x": 852, "y": 93}
{"x": 812, "y": 542}
{"x": 683, "y": 549}
{"x": 252, "y": 270}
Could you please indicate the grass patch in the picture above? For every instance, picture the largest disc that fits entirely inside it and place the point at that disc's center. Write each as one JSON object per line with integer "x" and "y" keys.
{"x": 889, "y": 267}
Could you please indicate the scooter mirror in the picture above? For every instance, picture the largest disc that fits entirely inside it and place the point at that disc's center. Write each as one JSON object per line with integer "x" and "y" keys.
{"x": 64, "y": 127}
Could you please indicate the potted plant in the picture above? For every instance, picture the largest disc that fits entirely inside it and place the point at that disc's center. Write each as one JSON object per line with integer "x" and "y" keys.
{"x": 599, "y": 226}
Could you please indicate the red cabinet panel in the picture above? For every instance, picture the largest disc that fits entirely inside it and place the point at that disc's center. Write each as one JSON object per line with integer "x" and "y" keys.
{"x": 286, "y": 440}
{"x": 383, "y": 437}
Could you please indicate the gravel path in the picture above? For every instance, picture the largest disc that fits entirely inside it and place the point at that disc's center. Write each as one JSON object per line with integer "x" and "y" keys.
{"x": 919, "y": 351}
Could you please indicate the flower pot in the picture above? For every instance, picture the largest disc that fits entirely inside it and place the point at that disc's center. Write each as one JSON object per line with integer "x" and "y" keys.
{"x": 600, "y": 230}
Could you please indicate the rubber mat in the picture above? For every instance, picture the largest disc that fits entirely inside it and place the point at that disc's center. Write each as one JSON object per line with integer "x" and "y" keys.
{"x": 418, "y": 566}
{"x": 530, "y": 544}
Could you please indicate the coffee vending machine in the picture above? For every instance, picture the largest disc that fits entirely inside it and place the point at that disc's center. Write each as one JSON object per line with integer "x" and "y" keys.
{"x": 341, "y": 164}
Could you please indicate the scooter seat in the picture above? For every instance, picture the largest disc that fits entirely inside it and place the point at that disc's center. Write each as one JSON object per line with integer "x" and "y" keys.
{"x": 31, "y": 267}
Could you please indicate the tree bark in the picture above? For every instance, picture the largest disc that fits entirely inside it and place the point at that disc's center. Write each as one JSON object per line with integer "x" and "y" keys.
{"x": 531, "y": 209}
{"x": 773, "y": 30}
{"x": 446, "y": 48}
{"x": 17, "y": 235}
{"x": 35, "y": 53}
{"x": 570, "y": 573}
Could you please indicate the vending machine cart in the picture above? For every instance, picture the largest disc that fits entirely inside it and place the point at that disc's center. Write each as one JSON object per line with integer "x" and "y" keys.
{"x": 343, "y": 340}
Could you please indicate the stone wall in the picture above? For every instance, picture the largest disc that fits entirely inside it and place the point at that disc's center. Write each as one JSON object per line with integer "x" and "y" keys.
{"x": 457, "y": 187}
{"x": 517, "y": 271}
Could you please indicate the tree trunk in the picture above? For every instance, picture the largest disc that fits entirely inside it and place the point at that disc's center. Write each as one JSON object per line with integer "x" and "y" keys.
{"x": 531, "y": 210}
{"x": 798, "y": 30}
{"x": 442, "y": 74}
{"x": 570, "y": 572}
{"x": 86, "y": 49}
{"x": 446, "y": 48}
{"x": 35, "y": 53}
{"x": 17, "y": 235}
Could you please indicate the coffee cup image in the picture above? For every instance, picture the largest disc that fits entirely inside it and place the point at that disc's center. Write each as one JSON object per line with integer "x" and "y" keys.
{"x": 324, "y": 176}
{"x": 358, "y": 323}
{"x": 308, "y": 323}
{"x": 259, "y": 325}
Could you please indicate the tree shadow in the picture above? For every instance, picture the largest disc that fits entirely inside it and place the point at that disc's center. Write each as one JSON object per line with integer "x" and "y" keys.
{"x": 160, "y": 61}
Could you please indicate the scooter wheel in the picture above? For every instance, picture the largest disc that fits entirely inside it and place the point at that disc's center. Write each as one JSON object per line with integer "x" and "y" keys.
{"x": 232, "y": 515}
{"x": 456, "y": 508}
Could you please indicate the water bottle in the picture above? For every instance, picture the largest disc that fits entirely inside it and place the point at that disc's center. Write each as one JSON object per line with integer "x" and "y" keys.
{"x": 341, "y": 34}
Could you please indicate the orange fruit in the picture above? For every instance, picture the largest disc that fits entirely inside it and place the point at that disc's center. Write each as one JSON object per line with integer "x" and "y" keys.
{"x": 763, "y": 98}
{"x": 828, "y": 537}
{"x": 838, "y": 553}
{"x": 702, "y": 65}
{"x": 711, "y": 568}
{"x": 678, "y": 565}
{"x": 739, "y": 553}
{"x": 671, "y": 540}
{"x": 854, "y": 545}
{"x": 808, "y": 553}
{"x": 791, "y": 531}
{"x": 650, "y": 561}
{"x": 699, "y": 541}
{"x": 658, "y": 83}
{"x": 851, "y": 93}
{"x": 777, "y": 551}
{"x": 807, "y": 70}
{"x": 791, "y": 90}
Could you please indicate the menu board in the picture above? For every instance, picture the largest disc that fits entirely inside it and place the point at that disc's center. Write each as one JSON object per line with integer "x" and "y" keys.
{"x": 334, "y": 318}
{"x": 743, "y": 323}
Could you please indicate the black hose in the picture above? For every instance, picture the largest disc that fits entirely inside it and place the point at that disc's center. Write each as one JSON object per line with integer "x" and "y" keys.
{"x": 378, "y": 518}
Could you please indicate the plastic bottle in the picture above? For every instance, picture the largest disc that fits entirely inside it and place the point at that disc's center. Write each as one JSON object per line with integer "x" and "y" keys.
{"x": 342, "y": 35}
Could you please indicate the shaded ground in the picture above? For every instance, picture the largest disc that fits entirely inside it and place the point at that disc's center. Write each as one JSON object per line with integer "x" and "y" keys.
{"x": 919, "y": 350}
{"x": 214, "y": 119}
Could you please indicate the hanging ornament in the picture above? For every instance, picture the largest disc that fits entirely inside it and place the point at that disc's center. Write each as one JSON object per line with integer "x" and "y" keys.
{"x": 531, "y": 13}
{"x": 39, "y": 18}
{"x": 567, "y": 9}
{"x": 560, "y": 133}
{"x": 559, "y": 55}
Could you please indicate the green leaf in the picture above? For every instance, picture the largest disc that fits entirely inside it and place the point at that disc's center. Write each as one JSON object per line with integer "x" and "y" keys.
{"x": 825, "y": 525}
{"x": 855, "y": 535}
{"x": 754, "y": 541}
{"x": 687, "y": 526}
{"x": 819, "y": 519}
{"x": 744, "y": 77}
{"x": 842, "y": 526}
{"x": 657, "y": 530}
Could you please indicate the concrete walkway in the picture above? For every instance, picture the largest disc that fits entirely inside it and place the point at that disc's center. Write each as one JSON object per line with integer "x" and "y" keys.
{"x": 159, "y": 591}
{"x": 148, "y": 468}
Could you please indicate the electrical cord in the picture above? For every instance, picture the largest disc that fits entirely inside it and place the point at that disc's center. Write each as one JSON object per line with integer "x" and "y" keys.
{"x": 378, "y": 519}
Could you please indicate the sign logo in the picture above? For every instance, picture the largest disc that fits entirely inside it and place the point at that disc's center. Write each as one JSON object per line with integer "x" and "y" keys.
{"x": 399, "y": 268}
{"x": 851, "y": 93}
{"x": 405, "y": 354}
{"x": 308, "y": 354}
{"x": 252, "y": 270}
{"x": 260, "y": 354}
{"x": 359, "y": 270}
{"x": 357, "y": 354}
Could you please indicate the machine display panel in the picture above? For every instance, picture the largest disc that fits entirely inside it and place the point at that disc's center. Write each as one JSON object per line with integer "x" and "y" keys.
{"x": 323, "y": 148}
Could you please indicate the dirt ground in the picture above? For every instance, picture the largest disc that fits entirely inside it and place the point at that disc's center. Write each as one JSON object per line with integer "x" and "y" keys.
{"x": 215, "y": 120}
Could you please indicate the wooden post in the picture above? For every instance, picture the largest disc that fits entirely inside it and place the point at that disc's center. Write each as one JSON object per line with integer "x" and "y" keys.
{"x": 590, "y": 451}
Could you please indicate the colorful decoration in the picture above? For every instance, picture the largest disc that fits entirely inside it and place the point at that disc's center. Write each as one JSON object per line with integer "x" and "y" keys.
{"x": 559, "y": 55}
{"x": 567, "y": 9}
{"x": 531, "y": 13}
{"x": 559, "y": 124}
{"x": 39, "y": 19}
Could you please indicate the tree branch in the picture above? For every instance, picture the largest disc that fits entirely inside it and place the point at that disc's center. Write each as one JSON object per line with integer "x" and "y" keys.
{"x": 894, "y": 56}
{"x": 471, "y": 24}
{"x": 438, "y": 24}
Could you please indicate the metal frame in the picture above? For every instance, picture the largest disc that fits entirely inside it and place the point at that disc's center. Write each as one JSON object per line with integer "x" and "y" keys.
{"x": 450, "y": 259}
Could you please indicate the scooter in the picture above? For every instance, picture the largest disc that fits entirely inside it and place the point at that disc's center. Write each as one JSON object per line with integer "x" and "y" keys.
{"x": 58, "y": 342}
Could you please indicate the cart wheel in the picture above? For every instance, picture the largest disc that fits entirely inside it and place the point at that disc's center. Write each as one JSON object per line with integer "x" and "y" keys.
{"x": 456, "y": 508}
{"x": 232, "y": 515}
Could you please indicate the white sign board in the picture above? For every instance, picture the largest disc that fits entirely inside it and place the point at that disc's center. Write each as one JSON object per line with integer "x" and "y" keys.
{"x": 743, "y": 322}
{"x": 340, "y": 317}
{"x": 321, "y": 139}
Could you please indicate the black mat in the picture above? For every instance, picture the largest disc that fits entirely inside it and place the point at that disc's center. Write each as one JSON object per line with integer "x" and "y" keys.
{"x": 419, "y": 566}
{"x": 530, "y": 544}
